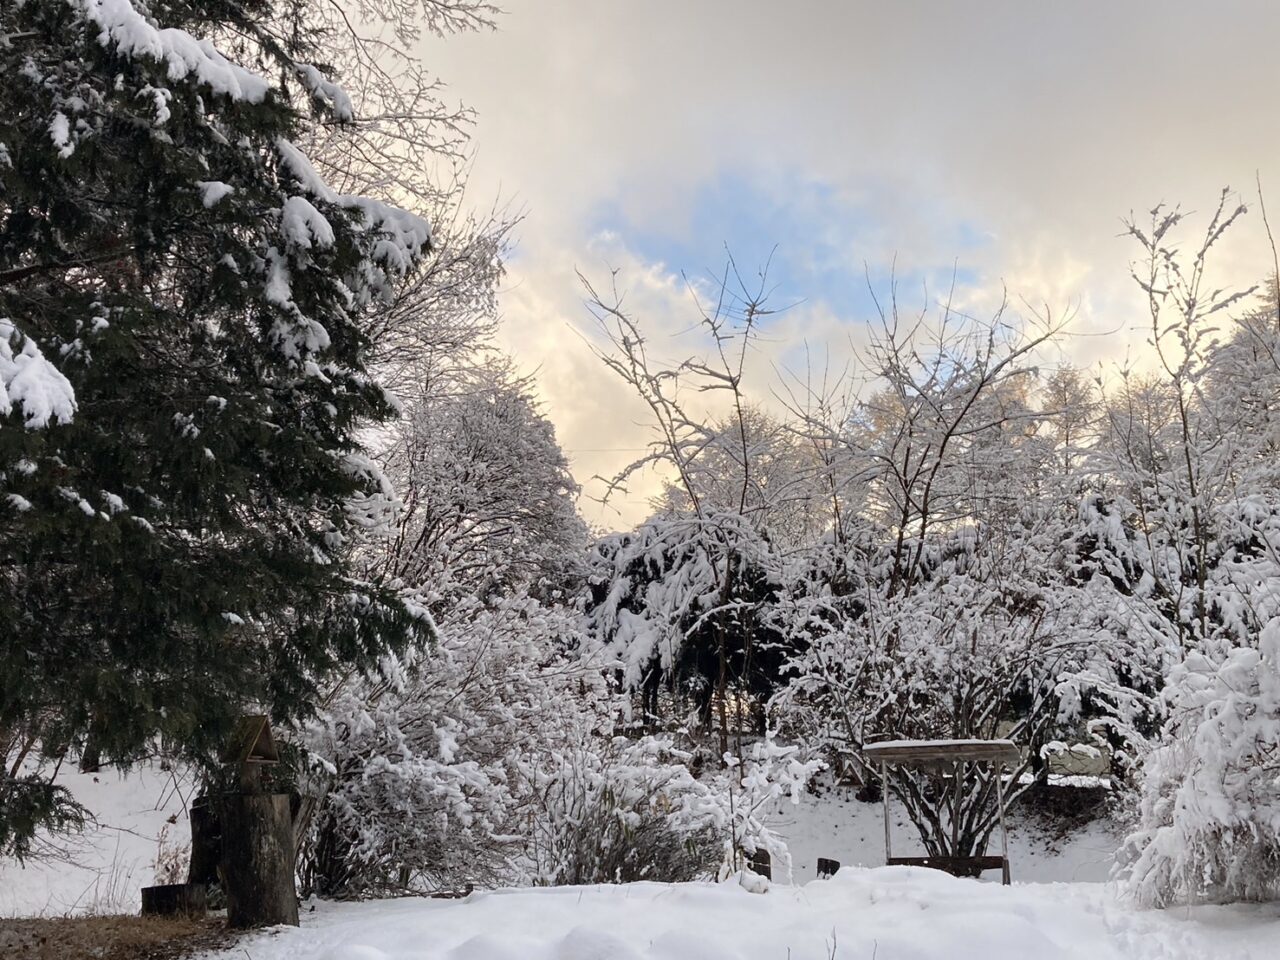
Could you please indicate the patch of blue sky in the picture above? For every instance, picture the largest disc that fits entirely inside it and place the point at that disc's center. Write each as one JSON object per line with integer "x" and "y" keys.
{"x": 822, "y": 244}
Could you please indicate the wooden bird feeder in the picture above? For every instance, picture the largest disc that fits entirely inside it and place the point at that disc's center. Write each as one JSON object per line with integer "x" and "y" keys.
{"x": 937, "y": 755}
{"x": 251, "y": 748}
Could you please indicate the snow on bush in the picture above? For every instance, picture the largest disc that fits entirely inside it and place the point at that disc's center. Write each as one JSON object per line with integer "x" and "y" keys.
{"x": 630, "y": 810}
{"x": 418, "y": 771}
{"x": 620, "y": 811}
{"x": 1210, "y": 808}
{"x": 1194, "y": 539}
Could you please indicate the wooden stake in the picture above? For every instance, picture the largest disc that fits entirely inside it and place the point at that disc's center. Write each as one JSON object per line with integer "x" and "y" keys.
{"x": 1004, "y": 834}
{"x": 884, "y": 796}
{"x": 956, "y": 798}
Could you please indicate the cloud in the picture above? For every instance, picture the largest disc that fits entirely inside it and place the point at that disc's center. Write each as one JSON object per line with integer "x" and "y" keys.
{"x": 1008, "y": 137}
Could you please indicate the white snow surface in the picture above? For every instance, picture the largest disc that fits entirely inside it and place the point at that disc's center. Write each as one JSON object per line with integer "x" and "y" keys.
{"x": 886, "y": 913}
{"x": 104, "y": 869}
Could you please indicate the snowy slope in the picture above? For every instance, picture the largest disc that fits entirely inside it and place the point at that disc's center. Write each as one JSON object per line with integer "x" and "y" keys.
{"x": 887, "y": 913}
{"x": 104, "y": 869}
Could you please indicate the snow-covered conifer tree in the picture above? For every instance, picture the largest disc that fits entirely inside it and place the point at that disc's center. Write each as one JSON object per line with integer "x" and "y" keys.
{"x": 184, "y": 360}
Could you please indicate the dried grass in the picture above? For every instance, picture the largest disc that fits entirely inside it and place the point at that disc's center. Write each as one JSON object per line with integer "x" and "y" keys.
{"x": 109, "y": 938}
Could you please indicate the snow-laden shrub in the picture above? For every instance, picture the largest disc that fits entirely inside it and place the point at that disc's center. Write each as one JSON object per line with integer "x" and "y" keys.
{"x": 1210, "y": 812}
{"x": 418, "y": 773}
{"x": 626, "y": 810}
{"x": 632, "y": 810}
{"x": 173, "y": 858}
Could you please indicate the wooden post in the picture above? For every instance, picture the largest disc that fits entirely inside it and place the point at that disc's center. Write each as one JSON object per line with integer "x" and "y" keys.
{"x": 257, "y": 860}
{"x": 1004, "y": 834}
{"x": 957, "y": 798}
{"x": 884, "y": 796}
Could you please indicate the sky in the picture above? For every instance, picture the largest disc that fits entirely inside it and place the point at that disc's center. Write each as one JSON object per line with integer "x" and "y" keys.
{"x": 999, "y": 143}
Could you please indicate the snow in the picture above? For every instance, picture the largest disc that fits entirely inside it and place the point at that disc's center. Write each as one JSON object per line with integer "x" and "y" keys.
{"x": 104, "y": 869}
{"x": 889, "y": 913}
{"x": 29, "y": 381}
{"x": 326, "y": 91}
{"x": 304, "y": 225}
{"x": 398, "y": 238}
{"x": 160, "y": 98}
{"x": 405, "y": 234}
{"x": 122, "y": 26}
{"x": 211, "y": 191}
{"x": 60, "y": 134}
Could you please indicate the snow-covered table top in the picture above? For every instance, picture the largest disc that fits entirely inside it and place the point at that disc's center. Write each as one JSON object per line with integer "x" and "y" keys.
{"x": 932, "y": 751}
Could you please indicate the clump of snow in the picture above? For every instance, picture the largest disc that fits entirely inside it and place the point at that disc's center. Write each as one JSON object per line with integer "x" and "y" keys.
{"x": 60, "y": 134}
{"x": 133, "y": 35}
{"x": 29, "y": 381}
{"x": 304, "y": 225}
{"x": 326, "y": 91}
{"x": 160, "y": 98}
{"x": 403, "y": 235}
{"x": 397, "y": 238}
{"x": 211, "y": 191}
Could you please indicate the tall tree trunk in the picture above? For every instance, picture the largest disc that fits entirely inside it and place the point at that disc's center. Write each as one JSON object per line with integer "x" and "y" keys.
{"x": 91, "y": 756}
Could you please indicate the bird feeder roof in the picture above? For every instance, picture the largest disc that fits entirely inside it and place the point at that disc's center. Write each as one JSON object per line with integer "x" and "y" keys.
{"x": 251, "y": 742}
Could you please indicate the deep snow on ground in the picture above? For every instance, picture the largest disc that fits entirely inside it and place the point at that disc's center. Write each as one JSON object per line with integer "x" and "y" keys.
{"x": 881, "y": 913}
{"x": 885, "y": 913}
{"x": 104, "y": 869}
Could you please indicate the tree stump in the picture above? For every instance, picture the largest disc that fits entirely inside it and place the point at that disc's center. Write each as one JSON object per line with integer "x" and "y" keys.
{"x": 257, "y": 860}
{"x": 174, "y": 899}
